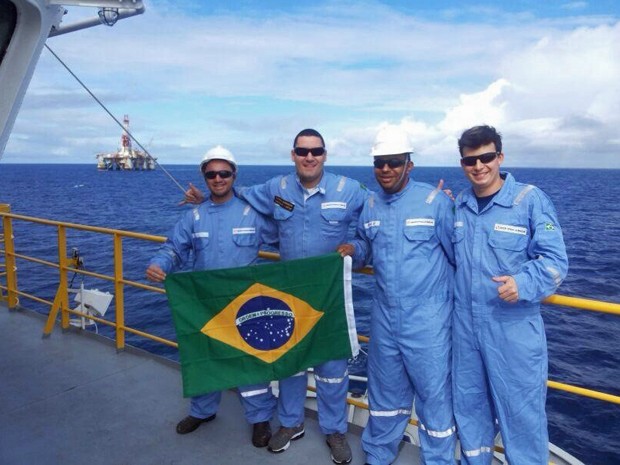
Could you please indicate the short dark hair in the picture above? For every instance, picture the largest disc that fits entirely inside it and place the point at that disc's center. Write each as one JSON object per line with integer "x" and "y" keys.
{"x": 308, "y": 133}
{"x": 478, "y": 136}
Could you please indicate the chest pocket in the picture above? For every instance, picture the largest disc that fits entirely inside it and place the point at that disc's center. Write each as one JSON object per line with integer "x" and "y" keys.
{"x": 372, "y": 230}
{"x": 200, "y": 240}
{"x": 334, "y": 221}
{"x": 244, "y": 239}
{"x": 281, "y": 214}
{"x": 509, "y": 251}
{"x": 420, "y": 240}
{"x": 285, "y": 224}
{"x": 508, "y": 241}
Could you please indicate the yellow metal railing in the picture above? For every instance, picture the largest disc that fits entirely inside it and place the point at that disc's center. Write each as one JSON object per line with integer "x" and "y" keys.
{"x": 2, "y": 275}
{"x": 66, "y": 265}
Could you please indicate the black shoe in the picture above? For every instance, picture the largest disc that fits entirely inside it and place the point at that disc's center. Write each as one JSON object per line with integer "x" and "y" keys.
{"x": 261, "y": 434}
{"x": 283, "y": 437}
{"x": 339, "y": 447}
{"x": 190, "y": 423}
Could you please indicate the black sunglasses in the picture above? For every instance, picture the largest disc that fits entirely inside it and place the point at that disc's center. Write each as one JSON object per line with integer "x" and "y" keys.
{"x": 391, "y": 162}
{"x": 224, "y": 174}
{"x": 303, "y": 152}
{"x": 484, "y": 158}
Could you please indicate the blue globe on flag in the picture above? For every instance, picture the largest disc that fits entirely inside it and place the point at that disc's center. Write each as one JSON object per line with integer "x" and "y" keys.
{"x": 265, "y": 323}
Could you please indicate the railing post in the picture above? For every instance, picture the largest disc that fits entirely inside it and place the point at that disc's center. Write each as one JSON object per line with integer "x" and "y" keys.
{"x": 119, "y": 292}
{"x": 63, "y": 293}
{"x": 9, "y": 258}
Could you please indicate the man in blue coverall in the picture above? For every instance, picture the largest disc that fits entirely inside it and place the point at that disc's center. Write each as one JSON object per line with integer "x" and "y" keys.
{"x": 313, "y": 210}
{"x": 222, "y": 232}
{"x": 510, "y": 255}
{"x": 407, "y": 232}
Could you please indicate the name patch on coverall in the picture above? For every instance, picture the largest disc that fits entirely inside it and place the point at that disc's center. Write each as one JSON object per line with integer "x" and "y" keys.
{"x": 244, "y": 230}
{"x": 340, "y": 205}
{"x": 420, "y": 222}
{"x": 372, "y": 224}
{"x": 510, "y": 229}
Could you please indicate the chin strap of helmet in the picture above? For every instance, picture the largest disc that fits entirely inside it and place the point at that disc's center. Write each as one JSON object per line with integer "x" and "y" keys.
{"x": 402, "y": 181}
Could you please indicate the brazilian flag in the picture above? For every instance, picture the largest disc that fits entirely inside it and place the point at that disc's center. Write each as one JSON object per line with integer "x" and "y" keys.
{"x": 255, "y": 324}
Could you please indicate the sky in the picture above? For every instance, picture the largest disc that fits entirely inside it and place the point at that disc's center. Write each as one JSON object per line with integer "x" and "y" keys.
{"x": 251, "y": 74}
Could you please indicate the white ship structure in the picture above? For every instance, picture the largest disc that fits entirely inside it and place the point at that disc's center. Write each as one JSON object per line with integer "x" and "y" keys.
{"x": 126, "y": 157}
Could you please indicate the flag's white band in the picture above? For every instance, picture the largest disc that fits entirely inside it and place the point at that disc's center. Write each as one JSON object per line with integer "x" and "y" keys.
{"x": 301, "y": 373}
{"x": 390, "y": 413}
{"x": 256, "y": 392}
{"x": 438, "y": 434}
{"x": 477, "y": 452}
{"x": 348, "y": 305}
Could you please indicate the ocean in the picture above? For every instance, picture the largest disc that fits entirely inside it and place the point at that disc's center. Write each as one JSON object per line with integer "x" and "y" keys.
{"x": 582, "y": 344}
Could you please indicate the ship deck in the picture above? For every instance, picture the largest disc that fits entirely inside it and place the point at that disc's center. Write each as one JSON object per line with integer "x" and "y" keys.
{"x": 72, "y": 399}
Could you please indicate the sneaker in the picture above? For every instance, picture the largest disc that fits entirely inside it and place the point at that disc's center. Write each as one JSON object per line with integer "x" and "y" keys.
{"x": 280, "y": 441}
{"x": 261, "y": 434}
{"x": 341, "y": 452}
{"x": 190, "y": 423}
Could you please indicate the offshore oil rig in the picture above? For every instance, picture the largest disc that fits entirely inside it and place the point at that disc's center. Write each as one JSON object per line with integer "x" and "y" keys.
{"x": 126, "y": 157}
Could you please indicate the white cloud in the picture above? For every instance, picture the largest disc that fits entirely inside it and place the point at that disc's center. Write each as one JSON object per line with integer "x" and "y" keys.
{"x": 575, "y": 5}
{"x": 558, "y": 101}
{"x": 251, "y": 82}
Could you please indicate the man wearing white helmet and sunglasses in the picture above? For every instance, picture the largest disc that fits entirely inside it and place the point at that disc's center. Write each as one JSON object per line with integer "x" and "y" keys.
{"x": 406, "y": 231}
{"x": 222, "y": 232}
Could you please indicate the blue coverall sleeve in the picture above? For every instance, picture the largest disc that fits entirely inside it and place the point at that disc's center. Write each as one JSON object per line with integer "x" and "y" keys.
{"x": 362, "y": 245}
{"x": 260, "y": 197}
{"x": 359, "y": 200}
{"x": 174, "y": 253}
{"x": 548, "y": 265}
{"x": 268, "y": 230}
{"x": 445, "y": 226}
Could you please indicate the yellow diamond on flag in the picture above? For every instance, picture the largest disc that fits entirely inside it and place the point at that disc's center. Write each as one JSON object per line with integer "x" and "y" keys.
{"x": 263, "y": 322}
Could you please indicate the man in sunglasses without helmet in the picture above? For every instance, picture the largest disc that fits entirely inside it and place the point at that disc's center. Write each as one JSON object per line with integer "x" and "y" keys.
{"x": 222, "y": 232}
{"x": 406, "y": 231}
{"x": 510, "y": 255}
{"x": 313, "y": 210}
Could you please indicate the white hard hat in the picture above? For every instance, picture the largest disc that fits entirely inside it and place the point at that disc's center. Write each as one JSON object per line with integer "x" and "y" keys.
{"x": 218, "y": 153}
{"x": 391, "y": 140}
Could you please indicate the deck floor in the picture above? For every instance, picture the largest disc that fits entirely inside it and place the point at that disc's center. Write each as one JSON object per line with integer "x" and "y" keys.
{"x": 72, "y": 399}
